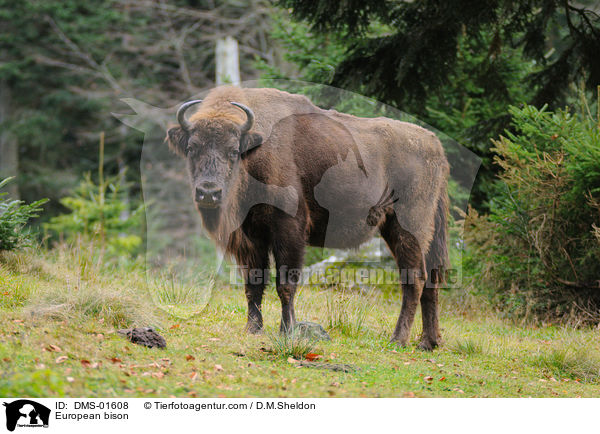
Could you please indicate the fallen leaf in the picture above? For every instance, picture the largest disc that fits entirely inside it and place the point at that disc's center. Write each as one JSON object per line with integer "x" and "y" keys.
{"x": 189, "y": 358}
{"x": 194, "y": 375}
{"x": 290, "y": 360}
{"x": 6, "y": 359}
{"x": 214, "y": 339}
{"x": 158, "y": 374}
{"x": 70, "y": 379}
{"x": 53, "y": 348}
{"x": 85, "y": 363}
{"x": 218, "y": 368}
{"x": 115, "y": 360}
{"x": 61, "y": 359}
{"x": 443, "y": 379}
{"x": 429, "y": 378}
{"x": 409, "y": 395}
{"x": 175, "y": 326}
{"x": 312, "y": 357}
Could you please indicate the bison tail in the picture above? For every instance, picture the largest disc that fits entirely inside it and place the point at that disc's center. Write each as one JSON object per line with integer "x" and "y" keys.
{"x": 437, "y": 260}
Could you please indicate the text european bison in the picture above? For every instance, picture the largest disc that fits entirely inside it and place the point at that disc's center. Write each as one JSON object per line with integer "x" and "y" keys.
{"x": 272, "y": 173}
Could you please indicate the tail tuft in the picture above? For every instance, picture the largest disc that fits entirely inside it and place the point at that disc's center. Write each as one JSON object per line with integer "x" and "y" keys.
{"x": 437, "y": 260}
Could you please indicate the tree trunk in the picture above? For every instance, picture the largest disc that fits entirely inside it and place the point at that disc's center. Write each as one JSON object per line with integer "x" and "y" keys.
{"x": 9, "y": 156}
{"x": 227, "y": 61}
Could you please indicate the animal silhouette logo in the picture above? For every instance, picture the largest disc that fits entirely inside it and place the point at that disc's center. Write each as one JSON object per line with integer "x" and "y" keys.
{"x": 26, "y": 413}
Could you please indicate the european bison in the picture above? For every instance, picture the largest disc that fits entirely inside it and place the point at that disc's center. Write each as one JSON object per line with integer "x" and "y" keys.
{"x": 272, "y": 173}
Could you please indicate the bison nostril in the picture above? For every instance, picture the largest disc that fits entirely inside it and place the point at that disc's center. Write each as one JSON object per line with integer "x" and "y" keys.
{"x": 210, "y": 195}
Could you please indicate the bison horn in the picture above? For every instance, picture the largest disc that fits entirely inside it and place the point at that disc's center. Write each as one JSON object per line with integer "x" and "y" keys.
{"x": 250, "y": 115}
{"x": 185, "y": 124}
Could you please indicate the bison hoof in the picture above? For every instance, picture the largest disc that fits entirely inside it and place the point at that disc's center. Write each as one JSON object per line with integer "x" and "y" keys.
{"x": 427, "y": 345}
{"x": 253, "y": 328}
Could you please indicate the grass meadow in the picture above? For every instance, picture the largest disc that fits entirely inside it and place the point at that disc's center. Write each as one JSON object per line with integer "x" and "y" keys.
{"x": 60, "y": 312}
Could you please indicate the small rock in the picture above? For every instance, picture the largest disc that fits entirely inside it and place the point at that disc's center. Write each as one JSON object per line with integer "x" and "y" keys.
{"x": 145, "y": 336}
{"x": 311, "y": 330}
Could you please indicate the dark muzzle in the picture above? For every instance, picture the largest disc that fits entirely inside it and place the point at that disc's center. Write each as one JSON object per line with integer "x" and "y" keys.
{"x": 208, "y": 195}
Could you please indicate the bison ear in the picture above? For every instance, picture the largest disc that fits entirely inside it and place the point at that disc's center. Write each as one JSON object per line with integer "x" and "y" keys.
{"x": 177, "y": 139}
{"x": 250, "y": 141}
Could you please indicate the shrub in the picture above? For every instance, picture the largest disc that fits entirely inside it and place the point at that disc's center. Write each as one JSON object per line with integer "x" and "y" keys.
{"x": 537, "y": 254}
{"x": 100, "y": 212}
{"x": 14, "y": 215}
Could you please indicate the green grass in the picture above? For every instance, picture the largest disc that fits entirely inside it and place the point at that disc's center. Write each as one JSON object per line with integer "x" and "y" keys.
{"x": 289, "y": 345}
{"x": 59, "y": 313}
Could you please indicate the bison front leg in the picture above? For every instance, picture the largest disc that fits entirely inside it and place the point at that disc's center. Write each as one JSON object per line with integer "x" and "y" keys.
{"x": 256, "y": 276}
{"x": 286, "y": 294}
{"x": 288, "y": 253}
{"x": 409, "y": 257}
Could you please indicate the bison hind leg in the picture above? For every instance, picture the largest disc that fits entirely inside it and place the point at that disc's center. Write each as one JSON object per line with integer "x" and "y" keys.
{"x": 431, "y": 336}
{"x": 410, "y": 260}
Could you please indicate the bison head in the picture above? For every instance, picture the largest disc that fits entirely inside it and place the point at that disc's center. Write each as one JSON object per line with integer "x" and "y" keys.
{"x": 213, "y": 148}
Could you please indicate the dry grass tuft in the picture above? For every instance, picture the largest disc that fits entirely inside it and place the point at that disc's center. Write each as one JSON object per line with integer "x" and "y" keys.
{"x": 73, "y": 286}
